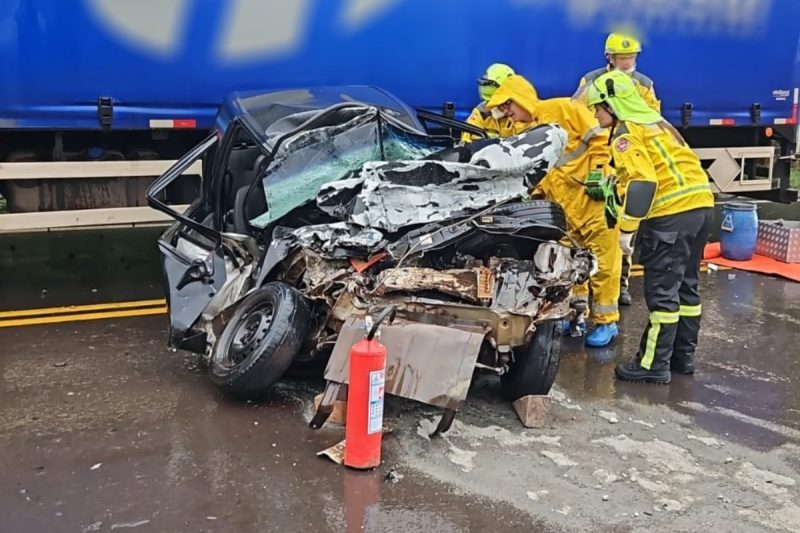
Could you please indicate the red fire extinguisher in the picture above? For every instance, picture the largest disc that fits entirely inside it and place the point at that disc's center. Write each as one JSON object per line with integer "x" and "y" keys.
{"x": 364, "y": 426}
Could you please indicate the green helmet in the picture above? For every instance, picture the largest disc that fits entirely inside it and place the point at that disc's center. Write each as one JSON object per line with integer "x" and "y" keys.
{"x": 491, "y": 80}
{"x": 619, "y": 91}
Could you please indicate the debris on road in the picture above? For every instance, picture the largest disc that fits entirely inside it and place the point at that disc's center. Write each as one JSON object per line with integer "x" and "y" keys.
{"x": 708, "y": 441}
{"x": 96, "y": 466}
{"x": 604, "y": 476}
{"x": 335, "y": 453}
{"x": 611, "y": 416}
{"x": 393, "y": 476}
{"x": 558, "y": 458}
{"x": 670, "y": 505}
{"x": 536, "y": 496}
{"x": 533, "y": 411}
{"x": 122, "y": 525}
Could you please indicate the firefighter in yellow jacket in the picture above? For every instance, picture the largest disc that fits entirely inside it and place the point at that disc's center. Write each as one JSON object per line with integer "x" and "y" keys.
{"x": 495, "y": 75}
{"x": 586, "y": 152}
{"x": 667, "y": 196}
{"x": 622, "y": 52}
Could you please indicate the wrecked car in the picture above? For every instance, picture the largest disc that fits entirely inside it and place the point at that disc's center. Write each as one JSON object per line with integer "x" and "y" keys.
{"x": 320, "y": 208}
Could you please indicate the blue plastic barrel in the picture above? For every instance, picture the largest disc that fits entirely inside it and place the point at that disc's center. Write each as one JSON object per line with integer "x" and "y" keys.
{"x": 739, "y": 230}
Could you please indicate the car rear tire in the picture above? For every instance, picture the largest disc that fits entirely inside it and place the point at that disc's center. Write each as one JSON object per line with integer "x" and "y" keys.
{"x": 536, "y": 365}
{"x": 260, "y": 341}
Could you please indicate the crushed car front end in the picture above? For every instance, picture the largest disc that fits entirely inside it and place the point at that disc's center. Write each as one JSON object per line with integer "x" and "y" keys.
{"x": 315, "y": 217}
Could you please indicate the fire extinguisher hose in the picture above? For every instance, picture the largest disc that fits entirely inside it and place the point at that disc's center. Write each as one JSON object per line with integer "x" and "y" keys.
{"x": 389, "y": 312}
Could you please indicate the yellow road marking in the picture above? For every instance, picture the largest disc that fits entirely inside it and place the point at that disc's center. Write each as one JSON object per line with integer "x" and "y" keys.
{"x": 10, "y": 323}
{"x": 71, "y": 309}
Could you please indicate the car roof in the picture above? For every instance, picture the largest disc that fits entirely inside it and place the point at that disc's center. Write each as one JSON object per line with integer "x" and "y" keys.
{"x": 262, "y": 109}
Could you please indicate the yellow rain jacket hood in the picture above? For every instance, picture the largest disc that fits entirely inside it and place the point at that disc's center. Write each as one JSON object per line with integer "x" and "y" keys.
{"x": 520, "y": 91}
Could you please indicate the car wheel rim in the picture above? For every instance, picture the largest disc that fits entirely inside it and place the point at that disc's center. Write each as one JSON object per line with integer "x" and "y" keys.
{"x": 250, "y": 332}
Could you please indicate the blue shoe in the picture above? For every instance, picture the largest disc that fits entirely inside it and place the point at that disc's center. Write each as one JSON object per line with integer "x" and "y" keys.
{"x": 602, "y": 335}
{"x": 574, "y": 328}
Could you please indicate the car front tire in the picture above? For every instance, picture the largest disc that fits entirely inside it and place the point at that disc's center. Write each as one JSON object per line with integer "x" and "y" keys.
{"x": 535, "y": 366}
{"x": 260, "y": 341}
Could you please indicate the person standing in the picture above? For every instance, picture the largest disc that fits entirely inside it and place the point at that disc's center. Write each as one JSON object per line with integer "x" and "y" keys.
{"x": 667, "y": 196}
{"x": 622, "y": 52}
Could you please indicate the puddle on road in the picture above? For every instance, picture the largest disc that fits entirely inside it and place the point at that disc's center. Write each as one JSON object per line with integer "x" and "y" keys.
{"x": 745, "y": 374}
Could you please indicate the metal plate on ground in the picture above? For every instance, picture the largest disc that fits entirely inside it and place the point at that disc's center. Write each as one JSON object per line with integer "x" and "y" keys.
{"x": 428, "y": 363}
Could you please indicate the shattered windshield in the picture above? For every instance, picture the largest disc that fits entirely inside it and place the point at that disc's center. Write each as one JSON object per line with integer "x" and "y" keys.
{"x": 338, "y": 147}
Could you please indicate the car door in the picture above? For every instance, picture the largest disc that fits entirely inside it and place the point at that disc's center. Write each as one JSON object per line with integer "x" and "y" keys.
{"x": 192, "y": 257}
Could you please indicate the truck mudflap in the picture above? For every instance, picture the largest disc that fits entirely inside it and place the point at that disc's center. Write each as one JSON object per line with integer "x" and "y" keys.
{"x": 428, "y": 363}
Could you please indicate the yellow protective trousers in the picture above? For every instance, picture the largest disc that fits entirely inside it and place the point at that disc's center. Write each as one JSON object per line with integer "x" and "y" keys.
{"x": 604, "y": 285}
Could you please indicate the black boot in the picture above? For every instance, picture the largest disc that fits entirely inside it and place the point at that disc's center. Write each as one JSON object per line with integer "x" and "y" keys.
{"x": 682, "y": 364}
{"x": 633, "y": 372}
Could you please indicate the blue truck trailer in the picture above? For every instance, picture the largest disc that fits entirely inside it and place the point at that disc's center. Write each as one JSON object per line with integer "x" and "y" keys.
{"x": 125, "y": 83}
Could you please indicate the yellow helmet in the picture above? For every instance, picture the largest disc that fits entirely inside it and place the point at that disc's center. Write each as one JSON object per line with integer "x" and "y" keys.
{"x": 619, "y": 43}
{"x": 496, "y": 74}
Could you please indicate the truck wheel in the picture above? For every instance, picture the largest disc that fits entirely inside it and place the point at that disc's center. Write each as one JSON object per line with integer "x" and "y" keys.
{"x": 535, "y": 366}
{"x": 260, "y": 341}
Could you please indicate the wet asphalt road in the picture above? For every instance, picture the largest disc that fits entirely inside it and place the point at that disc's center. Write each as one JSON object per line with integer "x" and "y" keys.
{"x": 748, "y": 361}
{"x": 100, "y": 427}
{"x": 103, "y": 429}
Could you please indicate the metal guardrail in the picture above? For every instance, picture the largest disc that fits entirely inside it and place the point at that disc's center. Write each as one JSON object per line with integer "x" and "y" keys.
{"x": 85, "y": 218}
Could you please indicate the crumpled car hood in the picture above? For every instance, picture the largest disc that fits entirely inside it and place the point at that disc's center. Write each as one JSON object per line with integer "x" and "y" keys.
{"x": 394, "y": 195}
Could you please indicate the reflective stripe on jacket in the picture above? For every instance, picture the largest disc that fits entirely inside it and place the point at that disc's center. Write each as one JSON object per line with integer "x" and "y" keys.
{"x": 653, "y": 152}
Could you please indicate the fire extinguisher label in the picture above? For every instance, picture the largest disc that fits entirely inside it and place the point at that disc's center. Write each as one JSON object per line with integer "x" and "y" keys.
{"x": 375, "y": 417}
